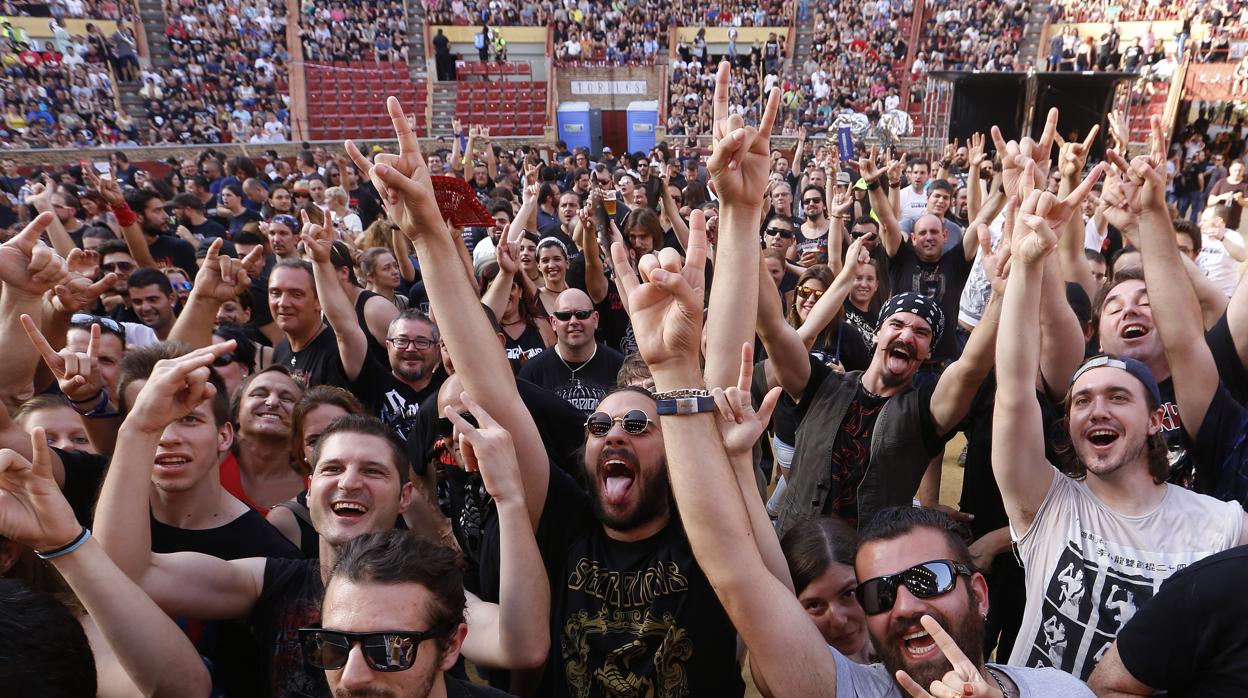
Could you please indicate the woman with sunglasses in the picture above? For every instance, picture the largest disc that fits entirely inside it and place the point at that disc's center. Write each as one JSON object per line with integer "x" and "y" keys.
{"x": 312, "y": 414}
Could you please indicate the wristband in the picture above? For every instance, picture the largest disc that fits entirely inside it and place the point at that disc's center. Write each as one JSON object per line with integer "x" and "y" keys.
{"x": 126, "y": 216}
{"x": 873, "y": 185}
{"x": 98, "y": 410}
{"x": 681, "y": 402}
{"x": 68, "y": 548}
{"x": 93, "y": 398}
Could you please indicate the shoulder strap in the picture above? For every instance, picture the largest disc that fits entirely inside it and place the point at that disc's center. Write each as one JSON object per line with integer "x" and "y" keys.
{"x": 299, "y": 509}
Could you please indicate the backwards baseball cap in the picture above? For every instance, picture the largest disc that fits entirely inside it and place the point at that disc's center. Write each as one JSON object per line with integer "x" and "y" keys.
{"x": 1126, "y": 363}
{"x": 919, "y": 304}
{"x": 287, "y": 220}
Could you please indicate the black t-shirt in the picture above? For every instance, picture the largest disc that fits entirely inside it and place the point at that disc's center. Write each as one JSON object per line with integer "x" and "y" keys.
{"x": 230, "y": 647}
{"x": 84, "y": 474}
{"x": 524, "y": 348}
{"x": 941, "y": 281}
{"x": 376, "y": 351}
{"x": 391, "y": 400}
{"x": 456, "y": 688}
{"x": 641, "y": 613}
{"x": 207, "y": 230}
{"x": 235, "y": 223}
{"x": 614, "y": 328}
{"x": 259, "y": 288}
{"x": 290, "y": 599}
{"x": 169, "y": 251}
{"x": 316, "y": 364}
{"x": 864, "y": 322}
{"x": 584, "y": 384}
{"x": 1190, "y": 638}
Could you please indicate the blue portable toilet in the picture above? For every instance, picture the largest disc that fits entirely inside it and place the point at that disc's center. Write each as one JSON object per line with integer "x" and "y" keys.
{"x": 573, "y": 119}
{"x": 642, "y": 117}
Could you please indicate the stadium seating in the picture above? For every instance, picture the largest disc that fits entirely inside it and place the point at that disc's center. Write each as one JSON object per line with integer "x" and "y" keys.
{"x": 347, "y": 99}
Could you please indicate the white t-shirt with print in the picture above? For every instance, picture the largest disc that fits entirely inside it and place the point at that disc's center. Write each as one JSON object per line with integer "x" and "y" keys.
{"x": 1088, "y": 568}
{"x": 1217, "y": 262}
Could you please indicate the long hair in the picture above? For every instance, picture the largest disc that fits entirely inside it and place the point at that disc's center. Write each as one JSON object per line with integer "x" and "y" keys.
{"x": 823, "y": 274}
{"x": 1156, "y": 451}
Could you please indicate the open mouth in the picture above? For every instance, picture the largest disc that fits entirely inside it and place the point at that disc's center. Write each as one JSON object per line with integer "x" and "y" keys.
{"x": 918, "y": 645}
{"x": 348, "y": 510}
{"x": 172, "y": 461}
{"x": 1102, "y": 437}
{"x": 900, "y": 352}
{"x": 1134, "y": 331}
{"x": 618, "y": 476}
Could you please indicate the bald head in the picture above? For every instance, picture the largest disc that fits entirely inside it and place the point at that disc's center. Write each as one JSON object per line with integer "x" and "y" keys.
{"x": 575, "y": 322}
{"x": 573, "y": 299}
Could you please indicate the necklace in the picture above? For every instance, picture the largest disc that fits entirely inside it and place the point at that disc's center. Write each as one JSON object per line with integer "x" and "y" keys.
{"x": 1000, "y": 685}
{"x": 583, "y": 363}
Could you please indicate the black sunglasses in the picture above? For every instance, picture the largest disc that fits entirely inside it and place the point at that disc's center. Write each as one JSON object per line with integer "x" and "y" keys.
{"x": 445, "y": 427}
{"x": 384, "y": 651}
{"x": 565, "y": 315}
{"x": 926, "y": 580}
{"x": 782, "y": 232}
{"x": 634, "y": 422}
{"x": 812, "y": 201}
{"x": 225, "y": 359}
{"x": 118, "y": 266}
{"x": 107, "y": 324}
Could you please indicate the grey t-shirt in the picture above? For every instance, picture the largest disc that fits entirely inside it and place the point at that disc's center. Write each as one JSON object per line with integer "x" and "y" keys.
{"x": 874, "y": 681}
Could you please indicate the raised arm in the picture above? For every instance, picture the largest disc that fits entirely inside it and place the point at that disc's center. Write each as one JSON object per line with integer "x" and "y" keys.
{"x": 739, "y": 167}
{"x": 833, "y": 299}
{"x": 1074, "y": 265}
{"x": 672, "y": 211}
{"x": 152, "y": 650}
{"x": 190, "y": 584}
{"x": 596, "y": 284}
{"x": 958, "y": 384}
{"x": 218, "y": 280}
{"x": 890, "y": 228}
{"x": 407, "y": 192}
{"x": 1171, "y": 297}
{"x": 979, "y": 224}
{"x": 788, "y": 359}
{"x": 28, "y": 269}
{"x": 352, "y": 342}
{"x": 1018, "y": 461}
{"x": 515, "y": 632}
{"x": 974, "y": 185}
{"x": 667, "y": 313}
{"x": 126, "y": 217}
{"x": 41, "y": 200}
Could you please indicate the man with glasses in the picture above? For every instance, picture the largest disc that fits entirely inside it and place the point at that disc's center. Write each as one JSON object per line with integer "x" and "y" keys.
{"x": 578, "y": 368}
{"x": 65, "y": 206}
{"x": 115, "y": 258}
{"x": 394, "y": 392}
{"x": 816, "y": 230}
{"x": 392, "y": 620}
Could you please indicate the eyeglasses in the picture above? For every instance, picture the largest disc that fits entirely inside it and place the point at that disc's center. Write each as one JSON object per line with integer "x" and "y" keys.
{"x": 782, "y": 232}
{"x": 445, "y": 427}
{"x": 384, "y": 651}
{"x": 566, "y": 315}
{"x": 808, "y": 202}
{"x": 106, "y": 323}
{"x": 418, "y": 343}
{"x": 181, "y": 285}
{"x": 118, "y": 266}
{"x": 807, "y": 292}
{"x": 634, "y": 422}
{"x": 926, "y": 580}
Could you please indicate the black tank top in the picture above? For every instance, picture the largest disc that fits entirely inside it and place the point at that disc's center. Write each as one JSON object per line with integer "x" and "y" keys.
{"x": 376, "y": 351}
{"x": 524, "y": 347}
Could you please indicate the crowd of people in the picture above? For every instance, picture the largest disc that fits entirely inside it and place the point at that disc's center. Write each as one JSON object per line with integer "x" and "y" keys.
{"x": 850, "y": 66}
{"x": 667, "y": 422}
{"x": 116, "y": 10}
{"x": 691, "y": 84}
{"x": 1212, "y": 11}
{"x": 228, "y": 81}
{"x": 598, "y": 16}
{"x": 970, "y": 36}
{"x": 61, "y": 92}
{"x": 375, "y": 30}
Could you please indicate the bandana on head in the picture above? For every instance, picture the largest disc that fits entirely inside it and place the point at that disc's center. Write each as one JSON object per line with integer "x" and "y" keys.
{"x": 919, "y": 304}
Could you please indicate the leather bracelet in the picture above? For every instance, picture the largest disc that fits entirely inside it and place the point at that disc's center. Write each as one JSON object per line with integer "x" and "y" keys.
{"x": 68, "y": 548}
{"x": 98, "y": 410}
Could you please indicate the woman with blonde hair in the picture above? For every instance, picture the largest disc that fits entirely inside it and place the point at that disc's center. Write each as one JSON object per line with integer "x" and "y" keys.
{"x": 380, "y": 273}
{"x": 346, "y": 223}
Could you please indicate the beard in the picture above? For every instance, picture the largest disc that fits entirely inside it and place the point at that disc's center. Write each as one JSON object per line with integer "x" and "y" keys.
{"x": 967, "y": 632}
{"x": 651, "y": 503}
{"x": 411, "y": 375}
{"x": 422, "y": 689}
{"x": 1105, "y": 468}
